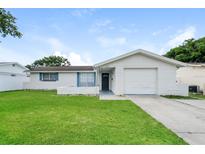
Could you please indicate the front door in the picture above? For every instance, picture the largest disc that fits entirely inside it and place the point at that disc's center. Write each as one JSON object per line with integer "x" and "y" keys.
{"x": 105, "y": 81}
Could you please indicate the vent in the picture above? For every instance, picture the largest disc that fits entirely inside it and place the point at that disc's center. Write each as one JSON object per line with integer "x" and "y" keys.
{"x": 13, "y": 75}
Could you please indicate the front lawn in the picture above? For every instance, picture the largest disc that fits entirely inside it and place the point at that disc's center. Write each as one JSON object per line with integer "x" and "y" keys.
{"x": 197, "y": 95}
{"x": 42, "y": 117}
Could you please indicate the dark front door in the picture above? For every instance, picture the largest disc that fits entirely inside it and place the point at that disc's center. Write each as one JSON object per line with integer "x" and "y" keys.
{"x": 105, "y": 81}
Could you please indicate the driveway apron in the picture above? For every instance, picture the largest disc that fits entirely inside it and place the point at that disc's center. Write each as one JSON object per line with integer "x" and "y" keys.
{"x": 185, "y": 118}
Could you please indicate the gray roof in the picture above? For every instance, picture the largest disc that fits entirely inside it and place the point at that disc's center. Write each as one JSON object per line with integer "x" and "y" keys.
{"x": 62, "y": 68}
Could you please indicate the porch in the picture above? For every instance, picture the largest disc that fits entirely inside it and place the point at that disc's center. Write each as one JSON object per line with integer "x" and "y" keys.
{"x": 109, "y": 95}
{"x": 105, "y": 79}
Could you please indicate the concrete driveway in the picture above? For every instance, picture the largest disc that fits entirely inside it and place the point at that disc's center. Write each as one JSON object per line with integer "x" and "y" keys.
{"x": 184, "y": 117}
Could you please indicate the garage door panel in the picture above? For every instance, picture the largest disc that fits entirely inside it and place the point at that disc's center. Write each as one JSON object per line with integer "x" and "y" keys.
{"x": 140, "y": 81}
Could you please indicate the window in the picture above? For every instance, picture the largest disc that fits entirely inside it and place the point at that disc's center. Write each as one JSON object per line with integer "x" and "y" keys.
{"x": 86, "y": 79}
{"x": 48, "y": 76}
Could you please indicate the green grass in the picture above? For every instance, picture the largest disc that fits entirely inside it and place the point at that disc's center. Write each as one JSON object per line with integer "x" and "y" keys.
{"x": 42, "y": 117}
{"x": 197, "y": 95}
{"x": 191, "y": 96}
{"x": 178, "y": 97}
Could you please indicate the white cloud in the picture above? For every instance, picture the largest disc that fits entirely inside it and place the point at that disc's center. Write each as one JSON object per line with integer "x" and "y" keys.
{"x": 10, "y": 55}
{"x": 60, "y": 49}
{"x": 101, "y": 25}
{"x": 81, "y": 12}
{"x": 144, "y": 45}
{"x": 58, "y": 53}
{"x": 107, "y": 25}
{"x": 109, "y": 42}
{"x": 56, "y": 44}
{"x": 178, "y": 38}
{"x": 163, "y": 30}
{"x": 125, "y": 30}
{"x": 129, "y": 28}
{"x": 74, "y": 58}
{"x": 56, "y": 28}
{"x": 188, "y": 33}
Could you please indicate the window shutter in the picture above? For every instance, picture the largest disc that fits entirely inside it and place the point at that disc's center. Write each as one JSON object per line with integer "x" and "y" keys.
{"x": 78, "y": 79}
{"x": 40, "y": 76}
{"x": 94, "y": 78}
{"x": 56, "y": 76}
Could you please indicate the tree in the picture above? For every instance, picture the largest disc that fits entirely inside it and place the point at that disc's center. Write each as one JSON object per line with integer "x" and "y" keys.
{"x": 7, "y": 24}
{"x": 49, "y": 61}
{"x": 191, "y": 51}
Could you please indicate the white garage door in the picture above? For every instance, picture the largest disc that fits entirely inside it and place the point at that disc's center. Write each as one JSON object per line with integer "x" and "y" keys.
{"x": 140, "y": 81}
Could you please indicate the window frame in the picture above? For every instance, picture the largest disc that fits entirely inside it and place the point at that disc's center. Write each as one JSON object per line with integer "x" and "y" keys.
{"x": 86, "y": 77}
{"x": 49, "y": 76}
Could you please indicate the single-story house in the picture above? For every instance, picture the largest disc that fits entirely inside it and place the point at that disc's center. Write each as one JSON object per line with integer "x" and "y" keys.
{"x": 192, "y": 75}
{"x": 72, "y": 79}
{"x": 12, "y": 76}
{"x": 136, "y": 72}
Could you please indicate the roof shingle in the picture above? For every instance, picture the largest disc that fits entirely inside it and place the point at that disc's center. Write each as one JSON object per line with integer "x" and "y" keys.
{"x": 63, "y": 68}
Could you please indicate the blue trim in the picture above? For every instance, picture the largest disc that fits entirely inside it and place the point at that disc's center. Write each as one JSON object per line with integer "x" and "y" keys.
{"x": 94, "y": 78}
{"x": 40, "y": 76}
{"x": 56, "y": 76}
{"x": 78, "y": 79}
{"x": 42, "y": 79}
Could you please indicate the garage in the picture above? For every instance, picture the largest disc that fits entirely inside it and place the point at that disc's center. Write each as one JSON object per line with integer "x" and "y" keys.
{"x": 142, "y": 72}
{"x": 140, "y": 81}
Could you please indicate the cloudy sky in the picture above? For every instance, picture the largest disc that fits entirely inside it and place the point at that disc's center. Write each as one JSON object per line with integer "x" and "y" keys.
{"x": 88, "y": 36}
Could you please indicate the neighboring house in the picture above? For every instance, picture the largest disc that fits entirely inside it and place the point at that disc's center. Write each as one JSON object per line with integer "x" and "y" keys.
{"x": 192, "y": 74}
{"x": 137, "y": 72}
{"x": 12, "y": 76}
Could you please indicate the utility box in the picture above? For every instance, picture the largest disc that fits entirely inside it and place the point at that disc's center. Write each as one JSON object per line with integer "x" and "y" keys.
{"x": 194, "y": 89}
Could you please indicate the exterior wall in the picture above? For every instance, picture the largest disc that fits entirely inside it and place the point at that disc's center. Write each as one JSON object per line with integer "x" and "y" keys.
{"x": 8, "y": 82}
{"x": 12, "y": 77}
{"x": 166, "y": 73}
{"x": 12, "y": 69}
{"x": 64, "y": 79}
{"x": 111, "y": 80}
{"x": 181, "y": 90}
{"x": 78, "y": 90}
{"x": 192, "y": 76}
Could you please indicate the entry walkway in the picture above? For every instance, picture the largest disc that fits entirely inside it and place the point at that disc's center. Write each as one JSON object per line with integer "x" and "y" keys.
{"x": 109, "y": 95}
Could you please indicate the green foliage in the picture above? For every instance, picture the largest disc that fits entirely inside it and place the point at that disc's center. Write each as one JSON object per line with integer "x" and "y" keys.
{"x": 50, "y": 61}
{"x": 178, "y": 97}
{"x": 42, "y": 117}
{"x": 191, "y": 51}
{"x": 7, "y": 24}
{"x": 197, "y": 95}
{"x": 191, "y": 96}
